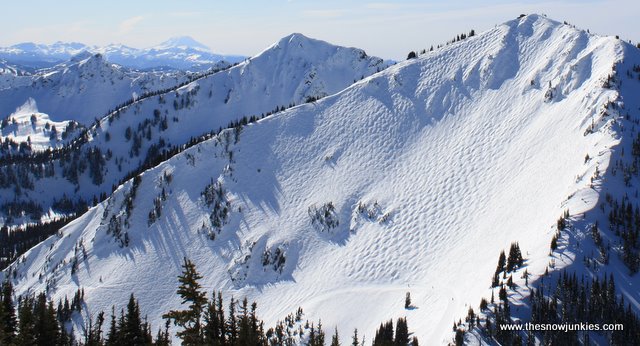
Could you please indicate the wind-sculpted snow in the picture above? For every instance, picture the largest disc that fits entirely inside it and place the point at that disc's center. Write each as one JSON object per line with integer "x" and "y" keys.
{"x": 411, "y": 180}
{"x": 139, "y": 131}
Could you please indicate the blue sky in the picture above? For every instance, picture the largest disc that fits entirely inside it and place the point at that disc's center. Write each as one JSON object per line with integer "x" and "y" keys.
{"x": 388, "y": 29}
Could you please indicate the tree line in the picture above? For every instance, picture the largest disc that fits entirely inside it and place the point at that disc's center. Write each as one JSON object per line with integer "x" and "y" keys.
{"x": 201, "y": 321}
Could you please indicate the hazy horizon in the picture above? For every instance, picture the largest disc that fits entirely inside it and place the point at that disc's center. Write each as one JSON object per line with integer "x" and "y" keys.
{"x": 386, "y": 29}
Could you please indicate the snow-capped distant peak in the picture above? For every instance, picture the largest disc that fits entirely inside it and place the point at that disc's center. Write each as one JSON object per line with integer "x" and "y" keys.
{"x": 181, "y": 52}
{"x": 182, "y": 42}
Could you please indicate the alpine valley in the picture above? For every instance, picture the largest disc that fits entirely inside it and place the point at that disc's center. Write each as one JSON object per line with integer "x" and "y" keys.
{"x": 316, "y": 178}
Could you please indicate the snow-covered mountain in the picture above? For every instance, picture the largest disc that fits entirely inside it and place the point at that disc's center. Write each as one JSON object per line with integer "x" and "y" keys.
{"x": 41, "y": 55}
{"x": 410, "y": 180}
{"x": 295, "y": 70}
{"x": 82, "y": 89}
{"x": 176, "y": 53}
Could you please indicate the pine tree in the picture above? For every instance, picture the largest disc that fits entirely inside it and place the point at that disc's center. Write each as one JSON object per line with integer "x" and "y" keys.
{"x": 402, "y": 332}
{"x": 244, "y": 332}
{"x": 384, "y": 334}
{"x": 502, "y": 260}
{"x": 335, "y": 339}
{"x": 232, "y": 323}
{"x": 211, "y": 330}
{"x": 320, "y": 337}
{"x": 26, "y": 325}
{"x": 113, "y": 334}
{"x": 515, "y": 259}
{"x": 133, "y": 329}
{"x": 8, "y": 323}
{"x": 93, "y": 333}
{"x": 355, "y": 341}
{"x": 46, "y": 324}
{"x": 189, "y": 319}
{"x": 222, "y": 330}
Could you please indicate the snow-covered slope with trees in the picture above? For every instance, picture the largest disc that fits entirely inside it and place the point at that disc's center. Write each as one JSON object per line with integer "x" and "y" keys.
{"x": 82, "y": 89}
{"x": 140, "y": 132}
{"x": 411, "y": 180}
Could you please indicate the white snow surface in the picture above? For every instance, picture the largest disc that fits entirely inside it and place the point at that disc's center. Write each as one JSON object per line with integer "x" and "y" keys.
{"x": 453, "y": 156}
{"x": 82, "y": 89}
{"x": 34, "y": 127}
{"x": 291, "y": 71}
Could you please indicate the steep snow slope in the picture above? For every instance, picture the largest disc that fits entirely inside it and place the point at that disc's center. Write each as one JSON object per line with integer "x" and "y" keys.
{"x": 411, "y": 180}
{"x": 295, "y": 70}
{"x": 81, "y": 89}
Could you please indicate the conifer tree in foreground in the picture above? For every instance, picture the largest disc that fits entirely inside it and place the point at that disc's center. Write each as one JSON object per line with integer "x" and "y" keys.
{"x": 189, "y": 319}
{"x": 335, "y": 340}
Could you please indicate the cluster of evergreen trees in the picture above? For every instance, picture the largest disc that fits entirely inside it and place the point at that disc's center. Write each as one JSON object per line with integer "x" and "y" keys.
{"x": 15, "y": 242}
{"x": 578, "y": 299}
{"x": 203, "y": 321}
{"x": 559, "y": 299}
{"x": 385, "y": 336}
{"x": 457, "y": 38}
{"x": 567, "y": 299}
{"x": 507, "y": 265}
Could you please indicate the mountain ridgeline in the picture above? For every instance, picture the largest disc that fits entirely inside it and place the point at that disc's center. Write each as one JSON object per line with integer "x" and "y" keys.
{"x": 177, "y": 53}
{"x": 369, "y": 191}
{"x": 89, "y": 164}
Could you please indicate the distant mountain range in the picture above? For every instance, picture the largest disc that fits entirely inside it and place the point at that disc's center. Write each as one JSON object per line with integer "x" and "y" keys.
{"x": 176, "y": 53}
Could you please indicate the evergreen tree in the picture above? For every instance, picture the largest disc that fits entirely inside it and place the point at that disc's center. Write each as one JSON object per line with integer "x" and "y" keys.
{"x": 402, "y": 332}
{"x": 113, "y": 334}
{"x": 93, "y": 332}
{"x": 8, "y": 315}
{"x": 212, "y": 335}
{"x": 163, "y": 337}
{"x": 320, "y": 338}
{"x": 244, "y": 327}
{"x": 133, "y": 329}
{"x": 384, "y": 334}
{"x": 222, "y": 331}
{"x": 189, "y": 319}
{"x": 46, "y": 327}
{"x": 26, "y": 325}
{"x": 232, "y": 323}
{"x": 515, "y": 259}
{"x": 355, "y": 341}
{"x": 335, "y": 339}
{"x": 502, "y": 260}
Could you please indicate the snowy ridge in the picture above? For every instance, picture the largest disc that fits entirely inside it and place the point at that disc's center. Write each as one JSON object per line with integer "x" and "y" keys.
{"x": 35, "y": 128}
{"x": 411, "y": 180}
{"x": 81, "y": 89}
{"x": 138, "y": 132}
